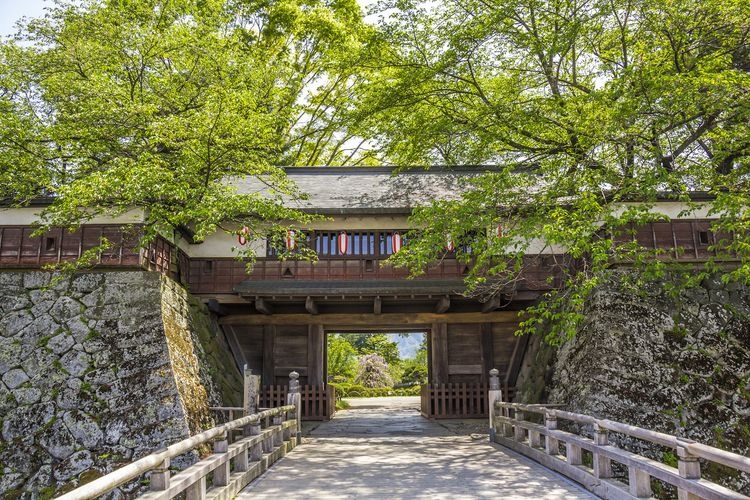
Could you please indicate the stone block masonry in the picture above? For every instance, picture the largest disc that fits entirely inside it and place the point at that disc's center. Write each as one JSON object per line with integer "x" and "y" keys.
{"x": 98, "y": 369}
{"x": 678, "y": 363}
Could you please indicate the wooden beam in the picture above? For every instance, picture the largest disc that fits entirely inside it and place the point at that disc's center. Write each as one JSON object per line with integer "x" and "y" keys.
{"x": 377, "y": 305}
{"x": 443, "y": 304}
{"x": 234, "y": 347}
{"x": 262, "y": 306}
{"x": 380, "y": 320}
{"x": 269, "y": 364}
{"x": 311, "y": 306}
{"x": 439, "y": 347}
{"x": 491, "y": 304}
{"x": 215, "y": 307}
{"x": 316, "y": 339}
{"x": 487, "y": 348}
{"x": 514, "y": 368}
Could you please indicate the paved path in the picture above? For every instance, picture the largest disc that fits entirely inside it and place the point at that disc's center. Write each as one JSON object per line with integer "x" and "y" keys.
{"x": 383, "y": 448}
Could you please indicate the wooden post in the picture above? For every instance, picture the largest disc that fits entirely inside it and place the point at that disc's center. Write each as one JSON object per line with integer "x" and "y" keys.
{"x": 535, "y": 439}
{"x": 256, "y": 451}
{"x": 160, "y": 476}
{"x": 251, "y": 392}
{"x": 573, "y": 454}
{"x": 602, "y": 464}
{"x": 197, "y": 490}
{"x": 507, "y": 427}
{"x": 687, "y": 466}
{"x": 551, "y": 445}
{"x": 294, "y": 397}
{"x": 493, "y": 395}
{"x": 640, "y": 483}
{"x": 439, "y": 347}
{"x": 278, "y": 433}
{"x": 221, "y": 473}
{"x": 520, "y": 432}
{"x": 242, "y": 461}
{"x": 316, "y": 341}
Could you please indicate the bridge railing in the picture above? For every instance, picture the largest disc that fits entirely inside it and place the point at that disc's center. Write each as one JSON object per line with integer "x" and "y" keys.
{"x": 264, "y": 437}
{"x": 562, "y": 451}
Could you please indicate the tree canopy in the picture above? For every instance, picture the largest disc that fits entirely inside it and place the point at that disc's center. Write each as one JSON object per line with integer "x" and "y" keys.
{"x": 590, "y": 109}
{"x": 107, "y": 106}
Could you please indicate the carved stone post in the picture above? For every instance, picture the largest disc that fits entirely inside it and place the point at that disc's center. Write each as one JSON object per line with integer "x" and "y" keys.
{"x": 493, "y": 395}
{"x": 160, "y": 476}
{"x": 602, "y": 464}
{"x": 294, "y": 397}
{"x": 687, "y": 466}
{"x": 551, "y": 445}
{"x": 251, "y": 392}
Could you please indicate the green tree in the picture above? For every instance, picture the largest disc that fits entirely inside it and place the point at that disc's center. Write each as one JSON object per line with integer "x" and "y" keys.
{"x": 592, "y": 110}
{"x": 375, "y": 343}
{"x": 108, "y": 106}
{"x": 342, "y": 360}
{"x": 415, "y": 369}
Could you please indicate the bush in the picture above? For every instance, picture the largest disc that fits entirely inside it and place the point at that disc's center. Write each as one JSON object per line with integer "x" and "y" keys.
{"x": 348, "y": 390}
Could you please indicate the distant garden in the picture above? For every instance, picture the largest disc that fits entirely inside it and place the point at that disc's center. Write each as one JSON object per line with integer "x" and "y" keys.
{"x": 369, "y": 365}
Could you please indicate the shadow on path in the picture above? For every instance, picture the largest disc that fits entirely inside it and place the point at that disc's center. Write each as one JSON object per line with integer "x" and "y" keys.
{"x": 386, "y": 449}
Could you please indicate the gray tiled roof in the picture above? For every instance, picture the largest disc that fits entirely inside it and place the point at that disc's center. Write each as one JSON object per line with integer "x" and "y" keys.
{"x": 364, "y": 189}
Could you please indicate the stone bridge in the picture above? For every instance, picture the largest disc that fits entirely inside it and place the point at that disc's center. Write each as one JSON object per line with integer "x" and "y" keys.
{"x": 384, "y": 448}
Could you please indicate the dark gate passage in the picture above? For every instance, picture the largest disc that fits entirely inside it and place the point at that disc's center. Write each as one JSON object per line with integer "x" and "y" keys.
{"x": 462, "y": 346}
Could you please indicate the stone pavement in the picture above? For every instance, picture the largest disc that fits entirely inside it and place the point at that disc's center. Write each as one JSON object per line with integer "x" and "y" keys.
{"x": 383, "y": 448}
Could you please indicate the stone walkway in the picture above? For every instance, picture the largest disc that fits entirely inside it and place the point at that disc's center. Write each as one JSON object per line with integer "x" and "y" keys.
{"x": 383, "y": 448}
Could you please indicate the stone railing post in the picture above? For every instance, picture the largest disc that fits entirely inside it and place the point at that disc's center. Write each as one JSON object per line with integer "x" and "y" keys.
{"x": 251, "y": 392}
{"x": 493, "y": 395}
{"x": 602, "y": 464}
{"x": 551, "y": 445}
{"x": 294, "y": 397}
{"x": 687, "y": 466}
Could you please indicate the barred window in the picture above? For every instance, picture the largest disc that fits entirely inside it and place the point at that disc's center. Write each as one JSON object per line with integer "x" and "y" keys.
{"x": 362, "y": 243}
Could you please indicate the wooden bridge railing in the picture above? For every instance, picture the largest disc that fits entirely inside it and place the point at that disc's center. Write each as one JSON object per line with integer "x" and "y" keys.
{"x": 545, "y": 443}
{"x": 457, "y": 400}
{"x": 235, "y": 461}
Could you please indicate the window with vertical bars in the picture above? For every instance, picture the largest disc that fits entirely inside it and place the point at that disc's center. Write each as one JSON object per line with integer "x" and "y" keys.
{"x": 362, "y": 243}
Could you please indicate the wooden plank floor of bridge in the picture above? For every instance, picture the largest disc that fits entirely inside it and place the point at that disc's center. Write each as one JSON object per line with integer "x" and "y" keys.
{"x": 383, "y": 448}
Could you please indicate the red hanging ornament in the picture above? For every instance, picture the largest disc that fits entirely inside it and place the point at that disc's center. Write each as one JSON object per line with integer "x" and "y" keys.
{"x": 499, "y": 231}
{"x": 242, "y": 235}
{"x": 396, "y": 241}
{"x": 291, "y": 243}
{"x": 343, "y": 242}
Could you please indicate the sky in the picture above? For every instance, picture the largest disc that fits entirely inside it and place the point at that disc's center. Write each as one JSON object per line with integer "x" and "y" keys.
{"x": 12, "y": 10}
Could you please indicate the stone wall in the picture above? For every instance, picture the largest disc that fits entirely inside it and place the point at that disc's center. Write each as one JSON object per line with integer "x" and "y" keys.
{"x": 99, "y": 369}
{"x": 677, "y": 364}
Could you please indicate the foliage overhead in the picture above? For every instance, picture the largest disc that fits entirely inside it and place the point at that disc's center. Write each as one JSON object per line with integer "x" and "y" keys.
{"x": 156, "y": 105}
{"x": 591, "y": 110}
